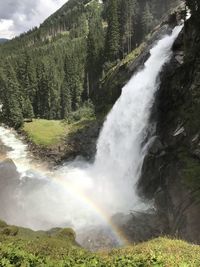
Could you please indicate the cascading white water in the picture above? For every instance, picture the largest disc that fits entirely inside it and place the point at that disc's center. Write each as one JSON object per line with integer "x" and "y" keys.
{"x": 18, "y": 152}
{"x": 119, "y": 148}
{"x": 82, "y": 194}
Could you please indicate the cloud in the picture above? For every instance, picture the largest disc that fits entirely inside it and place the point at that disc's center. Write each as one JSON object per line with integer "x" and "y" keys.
{"x": 17, "y": 16}
{"x": 5, "y": 25}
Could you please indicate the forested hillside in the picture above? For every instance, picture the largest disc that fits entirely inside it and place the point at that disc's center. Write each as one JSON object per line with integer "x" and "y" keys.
{"x": 3, "y": 40}
{"x": 51, "y": 71}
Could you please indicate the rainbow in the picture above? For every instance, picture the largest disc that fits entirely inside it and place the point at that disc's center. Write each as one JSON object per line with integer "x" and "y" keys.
{"x": 81, "y": 196}
{"x": 99, "y": 211}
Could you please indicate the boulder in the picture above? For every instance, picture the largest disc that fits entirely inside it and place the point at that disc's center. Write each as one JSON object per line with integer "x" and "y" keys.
{"x": 8, "y": 172}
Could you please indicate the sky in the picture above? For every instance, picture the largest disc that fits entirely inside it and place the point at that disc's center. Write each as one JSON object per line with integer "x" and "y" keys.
{"x": 18, "y": 16}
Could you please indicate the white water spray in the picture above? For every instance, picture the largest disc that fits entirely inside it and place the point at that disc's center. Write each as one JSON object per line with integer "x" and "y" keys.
{"x": 18, "y": 152}
{"x": 80, "y": 194}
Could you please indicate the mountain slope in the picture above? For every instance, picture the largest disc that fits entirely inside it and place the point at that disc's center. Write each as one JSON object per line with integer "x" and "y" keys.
{"x": 52, "y": 70}
{"x": 3, "y": 40}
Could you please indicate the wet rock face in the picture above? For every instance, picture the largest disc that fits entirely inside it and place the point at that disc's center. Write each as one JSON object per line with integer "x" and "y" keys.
{"x": 8, "y": 171}
{"x": 9, "y": 180}
{"x": 97, "y": 238}
{"x": 83, "y": 142}
{"x": 171, "y": 170}
{"x": 3, "y": 150}
{"x": 135, "y": 227}
{"x": 141, "y": 226}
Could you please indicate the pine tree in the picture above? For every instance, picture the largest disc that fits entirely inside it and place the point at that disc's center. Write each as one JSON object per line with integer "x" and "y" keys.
{"x": 147, "y": 19}
{"x": 43, "y": 92}
{"x": 10, "y": 98}
{"x": 129, "y": 11}
{"x": 27, "y": 109}
{"x": 66, "y": 102}
{"x": 54, "y": 87}
{"x": 72, "y": 87}
{"x": 113, "y": 31}
{"x": 95, "y": 46}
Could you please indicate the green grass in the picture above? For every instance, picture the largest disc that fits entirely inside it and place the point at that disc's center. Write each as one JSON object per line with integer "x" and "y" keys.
{"x": 23, "y": 247}
{"x": 49, "y": 133}
{"x": 160, "y": 252}
{"x": 45, "y": 132}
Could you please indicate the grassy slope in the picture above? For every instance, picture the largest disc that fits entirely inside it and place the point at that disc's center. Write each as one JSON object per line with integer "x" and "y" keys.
{"x": 50, "y": 132}
{"x": 23, "y": 247}
{"x": 44, "y": 132}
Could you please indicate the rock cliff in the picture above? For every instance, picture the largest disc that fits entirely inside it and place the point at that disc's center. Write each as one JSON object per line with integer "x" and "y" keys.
{"x": 171, "y": 170}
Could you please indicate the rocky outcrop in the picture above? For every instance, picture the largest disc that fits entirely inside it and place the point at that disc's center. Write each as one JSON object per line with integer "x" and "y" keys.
{"x": 171, "y": 170}
{"x": 9, "y": 179}
{"x": 79, "y": 143}
{"x": 3, "y": 150}
{"x": 83, "y": 142}
{"x": 8, "y": 170}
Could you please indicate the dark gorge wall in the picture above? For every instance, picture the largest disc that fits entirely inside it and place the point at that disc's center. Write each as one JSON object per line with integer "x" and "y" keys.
{"x": 171, "y": 170}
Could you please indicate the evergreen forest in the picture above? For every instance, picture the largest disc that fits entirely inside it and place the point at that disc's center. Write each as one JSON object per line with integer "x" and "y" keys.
{"x": 53, "y": 70}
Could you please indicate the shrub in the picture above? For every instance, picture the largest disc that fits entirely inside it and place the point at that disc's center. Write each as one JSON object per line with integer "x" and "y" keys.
{"x": 67, "y": 233}
{"x": 84, "y": 112}
{"x": 3, "y": 224}
{"x": 10, "y": 231}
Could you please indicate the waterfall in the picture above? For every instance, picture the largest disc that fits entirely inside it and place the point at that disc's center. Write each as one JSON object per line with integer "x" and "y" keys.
{"x": 81, "y": 194}
{"x": 119, "y": 155}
